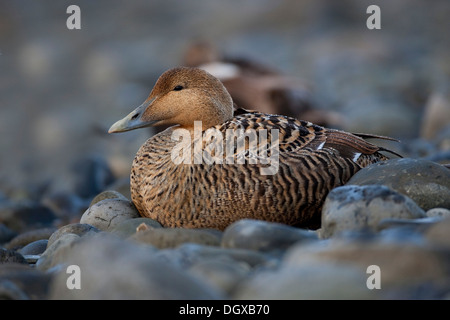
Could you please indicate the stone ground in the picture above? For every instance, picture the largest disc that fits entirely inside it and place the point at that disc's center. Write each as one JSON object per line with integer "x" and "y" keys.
{"x": 61, "y": 89}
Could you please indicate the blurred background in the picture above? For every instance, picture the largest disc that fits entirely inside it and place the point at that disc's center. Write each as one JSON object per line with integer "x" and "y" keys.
{"x": 61, "y": 89}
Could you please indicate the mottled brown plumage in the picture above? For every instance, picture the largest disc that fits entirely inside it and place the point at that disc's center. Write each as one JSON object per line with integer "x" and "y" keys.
{"x": 312, "y": 160}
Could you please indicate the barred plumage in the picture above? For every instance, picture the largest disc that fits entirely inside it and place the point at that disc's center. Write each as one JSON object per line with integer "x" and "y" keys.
{"x": 312, "y": 160}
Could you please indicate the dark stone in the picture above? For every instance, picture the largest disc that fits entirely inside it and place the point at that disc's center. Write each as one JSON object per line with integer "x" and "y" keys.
{"x": 11, "y": 256}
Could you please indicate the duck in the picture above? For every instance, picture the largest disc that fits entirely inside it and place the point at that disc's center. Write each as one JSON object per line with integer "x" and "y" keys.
{"x": 171, "y": 184}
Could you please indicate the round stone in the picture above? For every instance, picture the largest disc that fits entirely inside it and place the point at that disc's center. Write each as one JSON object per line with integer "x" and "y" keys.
{"x": 425, "y": 182}
{"x": 34, "y": 248}
{"x": 107, "y": 214}
{"x": 74, "y": 228}
{"x": 363, "y": 207}
{"x": 263, "y": 236}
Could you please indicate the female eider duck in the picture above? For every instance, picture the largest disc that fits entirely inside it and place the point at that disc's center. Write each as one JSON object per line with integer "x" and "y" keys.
{"x": 308, "y": 160}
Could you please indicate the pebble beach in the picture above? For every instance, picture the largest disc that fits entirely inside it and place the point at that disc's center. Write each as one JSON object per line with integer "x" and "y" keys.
{"x": 68, "y": 227}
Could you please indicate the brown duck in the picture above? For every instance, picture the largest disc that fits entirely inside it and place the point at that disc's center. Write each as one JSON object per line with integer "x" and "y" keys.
{"x": 218, "y": 180}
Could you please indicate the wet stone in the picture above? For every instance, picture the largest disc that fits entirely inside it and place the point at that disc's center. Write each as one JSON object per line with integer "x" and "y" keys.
{"x": 108, "y": 213}
{"x": 363, "y": 207}
{"x": 263, "y": 236}
{"x": 425, "y": 182}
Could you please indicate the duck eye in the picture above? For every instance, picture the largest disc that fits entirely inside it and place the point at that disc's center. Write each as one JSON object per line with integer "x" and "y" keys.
{"x": 178, "y": 88}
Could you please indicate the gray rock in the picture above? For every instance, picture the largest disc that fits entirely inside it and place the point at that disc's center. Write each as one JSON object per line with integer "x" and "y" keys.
{"x": 173, "y": 237}
{"x": 425, "y": 182}
{"x": 6, "y": 234}
{"x": 416, "y": 225}
{"x": 74, "y": 228}
{"x": 26, "y": 215}
{"x": 108, "y": 194}
{"x": 188, "y": 254}
{"x": 308, "y": 281}
{"x": 108, "y": 213}
{"x": 57, "y": 252}
{"x": 92, "y": 175}
{"x": 128, "y": 227}
{"x": 401, "y": 263}
{"x": 34, "y": 248}
{"x": 112, "y": 268}
{"x": 222, "y": 274}
{"x": 66, "y": 205}
{"x": 363, "y": 207}
{"x": 20, "y": 281}
{"x": 263, "y": 236}
{"x": 10, "y": 291}
{"x": 25, "y": 238}
{"x": 438, "y": 212}
{"x": 439, "y": 234}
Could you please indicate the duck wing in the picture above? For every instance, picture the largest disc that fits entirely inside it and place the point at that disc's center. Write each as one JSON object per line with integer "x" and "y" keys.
{"x": 295, "y": 135}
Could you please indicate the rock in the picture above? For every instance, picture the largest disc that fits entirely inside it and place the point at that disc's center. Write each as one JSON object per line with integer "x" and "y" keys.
{"x": 173, "y": 237}
{"x": 92, "y": 174}
{"x": 439, "y": 234}
{"x": 438, "y": 212}
{"x": 27, "y": 215}
{"x": 25, "y": 238}
{"x": 425, "y": 182}
{"x": 222, "y": 274}
{"x": 189, "y": 254}
{"x": 6, "y": 234}
{"x": 10, "y": 256}
{"x": 121, "y": 185}
{"x": 402, "y": 264}
{"x": 108, "y": 194}
{"x": 363, "y": 207}
{"x": 263, "y": 236}
{"x": 128, "y": 227}
{"x": 10, "y": 291}
{"x": 416, "y": 225}
{"x": 112, "y": 268}
{"x": 20, "y": 281}
{"x": 108, "y": 213}
{"x": 74, "y": 228}
{"x": 57, "y": 252}
{"x": 34, "y": 248}
{"x": 309, "y": 281}
{"x": 67, "y": 206}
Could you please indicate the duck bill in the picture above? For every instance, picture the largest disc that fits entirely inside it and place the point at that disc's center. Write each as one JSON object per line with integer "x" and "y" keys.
{"x": 133, "y": 120}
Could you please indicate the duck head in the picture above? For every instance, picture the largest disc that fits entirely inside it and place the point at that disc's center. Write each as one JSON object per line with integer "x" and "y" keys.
{"x": 181, "y": 96}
